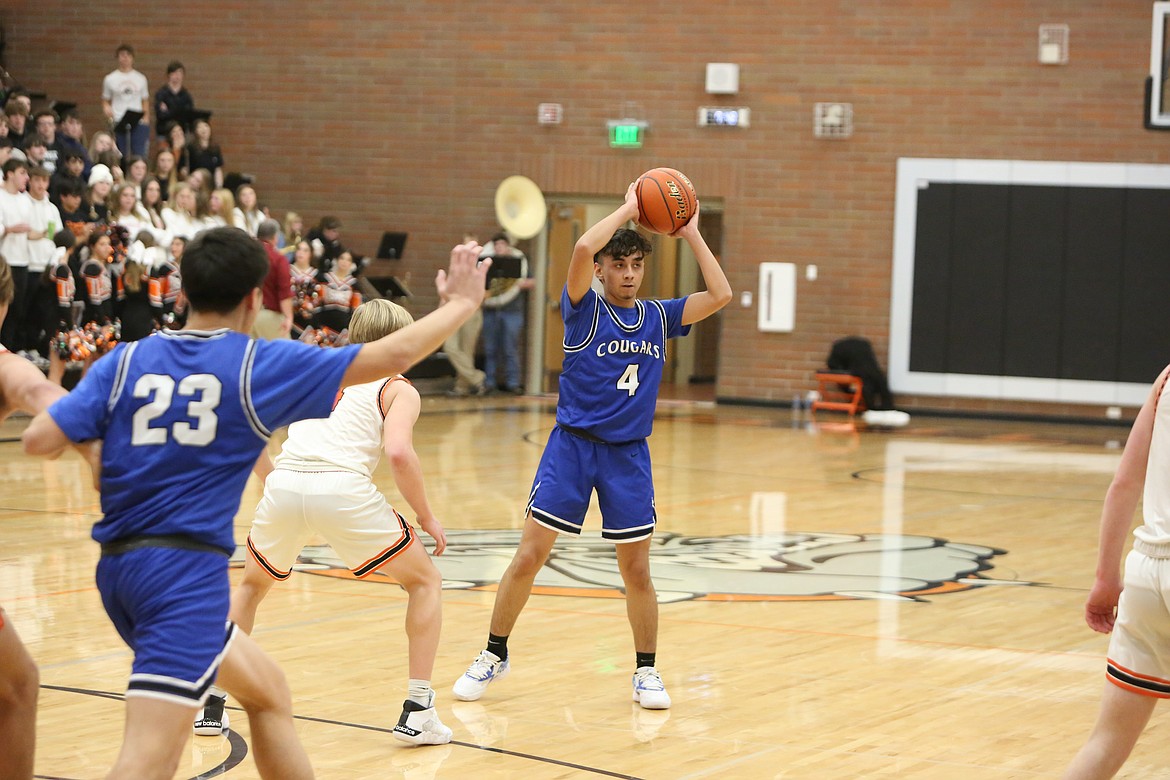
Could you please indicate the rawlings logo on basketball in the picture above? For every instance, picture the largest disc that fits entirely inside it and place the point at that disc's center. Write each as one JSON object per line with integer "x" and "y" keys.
{"x": 779, "y": 567}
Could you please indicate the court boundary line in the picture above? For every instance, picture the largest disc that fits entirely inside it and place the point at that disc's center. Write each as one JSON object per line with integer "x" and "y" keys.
{"x": 237, "y": 741}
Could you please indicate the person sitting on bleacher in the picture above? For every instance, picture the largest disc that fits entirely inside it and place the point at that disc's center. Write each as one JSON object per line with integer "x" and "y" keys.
{"x": 179, "y": 215}
{"x": 70, "y": 166}
{"x": 17, "y": 115}
{"x": 71, "y": 140}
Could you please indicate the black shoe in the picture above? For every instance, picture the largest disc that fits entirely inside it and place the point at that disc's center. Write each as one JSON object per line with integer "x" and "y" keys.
{"x": 514, "y": 390}
{"x": 212, "y": 720}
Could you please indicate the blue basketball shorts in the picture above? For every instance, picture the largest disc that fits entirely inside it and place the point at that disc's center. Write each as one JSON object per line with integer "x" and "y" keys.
{"x": 171, "y": 607}
{"x": 571, "y": 468}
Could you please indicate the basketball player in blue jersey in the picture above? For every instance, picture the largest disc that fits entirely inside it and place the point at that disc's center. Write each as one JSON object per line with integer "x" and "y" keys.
{"x": 615, "y": 350}
{"x": 183, "y": 416}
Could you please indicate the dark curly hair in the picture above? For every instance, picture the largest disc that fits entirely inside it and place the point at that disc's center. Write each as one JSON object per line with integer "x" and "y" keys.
{"x": 625, "y": 242}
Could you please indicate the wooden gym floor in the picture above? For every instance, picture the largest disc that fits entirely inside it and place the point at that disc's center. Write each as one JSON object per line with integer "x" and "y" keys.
{"x": 835, "y": 604}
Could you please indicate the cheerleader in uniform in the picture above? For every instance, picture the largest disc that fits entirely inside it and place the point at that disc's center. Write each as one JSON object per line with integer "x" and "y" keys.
{"x": 304, "y": 287}
{"x": 100, "y": 269}
{"x": 62, "y": 279}
{"x": 337, "y": 297}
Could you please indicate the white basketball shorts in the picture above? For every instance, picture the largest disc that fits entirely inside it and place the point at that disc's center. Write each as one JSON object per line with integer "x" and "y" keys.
{"x": 342, "y": 506}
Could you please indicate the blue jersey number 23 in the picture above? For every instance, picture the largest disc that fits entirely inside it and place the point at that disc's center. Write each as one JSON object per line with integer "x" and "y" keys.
{"x": 204, "y": 390}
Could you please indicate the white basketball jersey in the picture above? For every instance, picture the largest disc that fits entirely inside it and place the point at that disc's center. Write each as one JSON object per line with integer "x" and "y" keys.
{"x": 1156, "y": 495}
{"x": 349, "y": 439}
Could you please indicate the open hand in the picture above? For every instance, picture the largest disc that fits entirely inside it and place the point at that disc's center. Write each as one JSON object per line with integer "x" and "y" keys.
{"x": 467, "y": 275}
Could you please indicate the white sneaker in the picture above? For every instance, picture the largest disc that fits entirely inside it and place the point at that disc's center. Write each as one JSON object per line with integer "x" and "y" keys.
{"x": 649, "y": 690}
{"x": 420, "y": 725}
{"x": 486, "y": 667}
{"x": 212, "y": 720}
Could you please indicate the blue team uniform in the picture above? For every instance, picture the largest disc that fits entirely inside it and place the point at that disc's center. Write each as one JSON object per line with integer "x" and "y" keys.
{"x": 183, "y": 416}
{"x": 613, "y": 365}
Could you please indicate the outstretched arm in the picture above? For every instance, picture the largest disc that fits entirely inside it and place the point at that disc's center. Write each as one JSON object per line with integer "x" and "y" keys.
{"x": 703, "y": 304}
{"x": 398, "y": 444}
{"x": 581, "y": 266}
{"x": 462, "y": 286}
{"x": 1117, "y": 515}
{"x": 23, "y": 387}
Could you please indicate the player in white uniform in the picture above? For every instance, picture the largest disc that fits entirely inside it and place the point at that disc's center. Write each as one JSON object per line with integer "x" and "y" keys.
{"x": 323, "y": 484}
{"x": 1134, "y": 610}
{"x": 22, "y": 387}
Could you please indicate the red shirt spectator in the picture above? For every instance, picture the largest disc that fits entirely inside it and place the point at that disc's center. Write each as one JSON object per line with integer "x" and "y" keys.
{"x": 274, "y": 321}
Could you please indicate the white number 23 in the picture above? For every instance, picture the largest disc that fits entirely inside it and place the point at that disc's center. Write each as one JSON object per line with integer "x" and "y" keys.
{"x": 204, "y": 390}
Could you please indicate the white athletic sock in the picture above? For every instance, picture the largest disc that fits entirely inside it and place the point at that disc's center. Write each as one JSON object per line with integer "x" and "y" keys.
{"x": 217, "y": 691}
{"x": 420, "y": 692}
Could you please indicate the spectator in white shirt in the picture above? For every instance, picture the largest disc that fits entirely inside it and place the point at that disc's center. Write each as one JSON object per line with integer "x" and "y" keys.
{"x": 44, "y": 222}
{"x": 179, "y": 215}
{"x": 125, "y": 89}
{"x": 248, "y": 214}
{"x": 15, "y": 232}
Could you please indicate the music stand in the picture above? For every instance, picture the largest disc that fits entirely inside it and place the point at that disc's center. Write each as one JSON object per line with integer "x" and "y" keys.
{"x": 505, "y": 267}
{"x": 392, "y": 246}
{"x": 62, "y": 108}
{"x": 382, "y": 287}
{"x": 190, "y": 117}
{"x": 125, "y": 126}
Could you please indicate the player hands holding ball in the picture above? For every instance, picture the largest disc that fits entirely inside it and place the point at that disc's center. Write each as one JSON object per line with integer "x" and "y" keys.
{"x": 615, "y": 351}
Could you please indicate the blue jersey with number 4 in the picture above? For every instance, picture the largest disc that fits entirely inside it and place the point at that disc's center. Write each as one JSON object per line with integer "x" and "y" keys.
{"x": 614, "y": 358}
{"x": 183, "y": 416}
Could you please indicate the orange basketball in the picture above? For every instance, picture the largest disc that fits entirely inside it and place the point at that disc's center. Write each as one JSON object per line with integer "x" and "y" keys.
{"x": 666, "y": 200}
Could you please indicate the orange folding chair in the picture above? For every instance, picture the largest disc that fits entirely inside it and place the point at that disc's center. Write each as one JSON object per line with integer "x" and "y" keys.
{"x": 838, "y": 393}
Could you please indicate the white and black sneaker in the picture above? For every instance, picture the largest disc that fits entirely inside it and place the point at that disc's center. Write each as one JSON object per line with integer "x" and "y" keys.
{"x": 420, "y": 725}
{"x": 212, "y": 720}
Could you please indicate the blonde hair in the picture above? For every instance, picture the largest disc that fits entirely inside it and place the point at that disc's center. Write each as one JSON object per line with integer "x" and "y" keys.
{"x": 132, "y": 276}
{"x": 289, "y": 218}
{"x": 227, "y": 206}
{"x": 375, "y": 319}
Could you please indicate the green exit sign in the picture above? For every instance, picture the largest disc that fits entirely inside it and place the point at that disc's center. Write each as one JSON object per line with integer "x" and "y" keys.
{"x": 626, "y": 135}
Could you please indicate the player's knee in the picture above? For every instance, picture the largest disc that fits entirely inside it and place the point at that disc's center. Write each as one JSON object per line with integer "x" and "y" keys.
{"x": 636, "y": 576}
{"x": 528, "y": 560}
{"x": 420, "y": 579}
{"x": 272, "y": 699}
{"x": 270, "y": 694}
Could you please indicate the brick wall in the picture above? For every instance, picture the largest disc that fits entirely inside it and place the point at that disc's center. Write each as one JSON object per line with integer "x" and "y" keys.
{"x": 405, "y": 116}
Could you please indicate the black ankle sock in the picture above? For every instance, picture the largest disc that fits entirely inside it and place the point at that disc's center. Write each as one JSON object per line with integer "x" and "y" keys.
{"x": 498, "y": 645}
{"x": 645, "y": 659}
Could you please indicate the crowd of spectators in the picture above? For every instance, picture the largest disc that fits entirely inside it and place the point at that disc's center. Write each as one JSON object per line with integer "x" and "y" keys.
{"x": 94, "y": 232}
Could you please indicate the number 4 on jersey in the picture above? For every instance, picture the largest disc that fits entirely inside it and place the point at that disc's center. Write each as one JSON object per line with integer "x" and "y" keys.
{"x": 629, "y": 380}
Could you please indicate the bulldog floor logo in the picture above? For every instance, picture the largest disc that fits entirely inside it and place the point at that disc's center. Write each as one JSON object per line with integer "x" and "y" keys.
{"x": 785, "y": 567}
